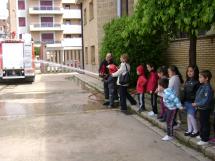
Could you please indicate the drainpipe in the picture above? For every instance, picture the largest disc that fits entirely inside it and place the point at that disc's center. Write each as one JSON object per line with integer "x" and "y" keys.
{"x": 119, "y": 8}
{"x": 82, "y": 32}
{"x": 127, "y": 8}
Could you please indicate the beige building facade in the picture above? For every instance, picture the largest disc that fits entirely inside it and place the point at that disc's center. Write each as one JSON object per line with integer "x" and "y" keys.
{"x": 56, "y": 24}
{"x": 95, "y": 14}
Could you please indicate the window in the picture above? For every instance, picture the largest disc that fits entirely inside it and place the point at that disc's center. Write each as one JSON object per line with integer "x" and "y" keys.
{"x": 48, "y": 37}
{"x": 20, "y": 36}
{"x": 91, "y": 11}
{"x": 22, "y": 22}
{"x": 85, "y": 16}
{"x": 93, "y": 57}
{"x": 47, "y": 21}
{"x": 21, "y": 4}
{"x": 67, "y": 6}
{"x": 68, "y": 36}
{"x": 68, "y": 22}
{"x": 86, "y": 55}
{"x": 46, "y": 5}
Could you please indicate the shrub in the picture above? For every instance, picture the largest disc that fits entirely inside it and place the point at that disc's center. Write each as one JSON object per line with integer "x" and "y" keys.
{"x": 123, "y": 35}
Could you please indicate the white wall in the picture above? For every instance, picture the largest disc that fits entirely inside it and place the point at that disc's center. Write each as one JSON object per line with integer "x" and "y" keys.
{"x": 3, "y": 10}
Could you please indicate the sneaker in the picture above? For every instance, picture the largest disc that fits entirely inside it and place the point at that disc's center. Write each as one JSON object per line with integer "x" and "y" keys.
{"x": 116, "y": 101}
{"x": 162, "y": 120}
{"x": 176, "y": 126}
{"x": 106, "y": 103}
{"x": 141, "y": 110}
{"x": 160, "y": 117}
{"x": 198, "y": 137}
{"x": 202, "y": 142}
{"x": 187, "y": 133}
{"x": 167, "y": 138}
{"x": 133, "y": 103}
{"x": 194, "y": 134}
{"x": 151, "y": 113}
{"x": 110, "y": 106}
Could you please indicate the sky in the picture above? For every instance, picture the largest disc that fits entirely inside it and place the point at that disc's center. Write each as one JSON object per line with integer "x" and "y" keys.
{"x": 3, "y": 9}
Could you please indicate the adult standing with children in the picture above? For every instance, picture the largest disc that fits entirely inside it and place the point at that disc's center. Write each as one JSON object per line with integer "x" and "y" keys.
{"x": 103, "y": 73}
{"x": 122, "y": 71}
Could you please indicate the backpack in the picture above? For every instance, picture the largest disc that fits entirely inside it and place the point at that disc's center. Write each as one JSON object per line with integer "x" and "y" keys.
{"x": 124, "y": 78}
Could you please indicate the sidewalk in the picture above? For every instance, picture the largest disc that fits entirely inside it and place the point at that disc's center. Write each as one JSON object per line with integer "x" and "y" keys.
{"x": 208, "y": 151}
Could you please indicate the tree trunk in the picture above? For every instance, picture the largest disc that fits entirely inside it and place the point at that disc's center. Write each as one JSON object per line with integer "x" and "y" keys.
{"x": 192, "y": 51}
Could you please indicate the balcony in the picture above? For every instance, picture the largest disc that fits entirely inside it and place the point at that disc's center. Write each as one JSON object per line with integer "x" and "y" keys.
{"x": 72, "y": 13}
{"x": 67, "y": 43}
{"x": 49, "y": 43}
{"x": 46, "y": 10}
{"x": 46, "y": 27}
{"x": 69, "y": 1}
{"x": 71, "y": 29}
{"x": 72, "y": 43}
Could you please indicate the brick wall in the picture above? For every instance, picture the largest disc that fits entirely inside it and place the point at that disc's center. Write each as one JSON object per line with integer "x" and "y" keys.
{"x": 178, "y": 54}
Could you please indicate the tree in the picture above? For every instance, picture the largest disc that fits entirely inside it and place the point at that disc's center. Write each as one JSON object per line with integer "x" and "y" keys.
{"x": 189, "y": 16}
{"x": 121, "y": 36}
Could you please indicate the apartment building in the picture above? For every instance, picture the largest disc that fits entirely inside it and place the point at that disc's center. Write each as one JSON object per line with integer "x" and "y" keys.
{"x": 56, "y": 24}
{"x": 3, "y": 28}
{"x": 96, "y": 13}
{"x": 3, "y": 19}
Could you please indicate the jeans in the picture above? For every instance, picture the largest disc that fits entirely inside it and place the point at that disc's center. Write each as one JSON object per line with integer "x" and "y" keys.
{"x": 106, "y": 91}
{"x": 154, "y": 103}
{"x": 123, "y": 94}
{"x": 141, "y": 99}
{"x": 169, "y": 121}
{"x": 204, "y": 124}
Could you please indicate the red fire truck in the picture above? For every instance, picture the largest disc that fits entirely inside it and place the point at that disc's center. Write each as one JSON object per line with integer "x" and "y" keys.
{"x": 17, "y": 59}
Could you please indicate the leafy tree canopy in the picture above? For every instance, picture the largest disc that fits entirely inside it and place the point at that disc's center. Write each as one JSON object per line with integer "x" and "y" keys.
{"x": 189, "y": 16}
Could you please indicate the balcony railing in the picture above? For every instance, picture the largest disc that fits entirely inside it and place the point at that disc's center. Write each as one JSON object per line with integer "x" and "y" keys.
{"x": 47, "y": 42}
{"x": 75, "y": 42}
{"x": 47, "y": 24}
{"x": 68, "y": 1}
{"x": 72, "y": 13}
{"x": 67, "y": 43}
{"x": 44, "y": 26}
{"x": 71, "y": 29}
{"x": 46, "y": 10}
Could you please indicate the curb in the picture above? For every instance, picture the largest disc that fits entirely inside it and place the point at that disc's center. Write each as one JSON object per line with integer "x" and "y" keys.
{"x": 208, "y": 151}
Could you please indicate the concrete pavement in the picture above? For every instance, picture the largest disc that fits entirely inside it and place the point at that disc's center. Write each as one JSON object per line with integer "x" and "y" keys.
{"x": 61, "y": 119}
{"x": 208, "y": 151}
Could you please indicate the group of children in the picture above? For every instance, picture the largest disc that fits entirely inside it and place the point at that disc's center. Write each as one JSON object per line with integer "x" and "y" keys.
{"x": 166, "y": 83}
{"x": 197, "y": 95}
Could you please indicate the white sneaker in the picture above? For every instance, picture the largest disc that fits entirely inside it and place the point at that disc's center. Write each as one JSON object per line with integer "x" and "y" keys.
{"x": 151, "y": 113}
{"x": 167, "y": 138}
{"x": 198, "y": 137}
{"x": 202, "y": 143}
{"x": 176, "y": 126}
